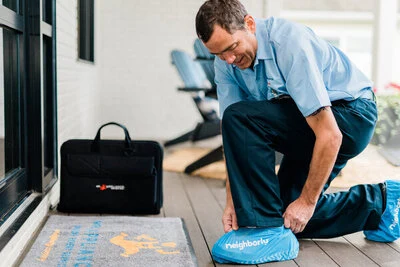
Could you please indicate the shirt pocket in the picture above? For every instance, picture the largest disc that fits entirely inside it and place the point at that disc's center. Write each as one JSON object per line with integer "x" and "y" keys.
{"x": 274, "y": 77}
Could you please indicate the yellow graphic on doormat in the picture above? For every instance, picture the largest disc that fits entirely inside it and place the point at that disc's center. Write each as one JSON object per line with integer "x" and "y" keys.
{"x": 142, "y": 242}
{"x": 49, "y": 245}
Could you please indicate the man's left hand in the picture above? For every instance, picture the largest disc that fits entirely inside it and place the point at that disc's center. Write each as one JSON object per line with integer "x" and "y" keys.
{"x": 297, "y": 215}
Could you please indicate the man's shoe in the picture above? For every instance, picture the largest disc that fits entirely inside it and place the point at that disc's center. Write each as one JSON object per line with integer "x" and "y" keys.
{"x": 389, "y": 228}
{"x": 256, "y": 245}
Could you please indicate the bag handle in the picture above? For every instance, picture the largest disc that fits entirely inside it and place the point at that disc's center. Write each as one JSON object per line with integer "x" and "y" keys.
{"x": 96, "y": 141}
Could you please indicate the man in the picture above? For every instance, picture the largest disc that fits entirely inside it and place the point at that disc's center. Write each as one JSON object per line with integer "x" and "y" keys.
{"x": 282, "y": 88}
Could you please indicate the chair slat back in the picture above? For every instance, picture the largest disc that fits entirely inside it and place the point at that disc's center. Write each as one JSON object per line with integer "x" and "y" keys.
{"x": 190, "y": 71}
{"x": 206, "y": 60}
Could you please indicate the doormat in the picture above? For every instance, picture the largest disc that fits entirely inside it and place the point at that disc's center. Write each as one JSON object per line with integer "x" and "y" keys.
{"x": 179, "y": 159}
{"x": 111, "y": 241}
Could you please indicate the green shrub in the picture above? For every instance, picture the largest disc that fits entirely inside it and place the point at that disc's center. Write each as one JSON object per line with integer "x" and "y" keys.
{"x": 388, "y": 118}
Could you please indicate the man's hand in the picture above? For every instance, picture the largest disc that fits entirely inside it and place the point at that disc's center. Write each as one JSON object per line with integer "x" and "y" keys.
{"x": 229, "y": 219}
{"x": 297, "y": 215}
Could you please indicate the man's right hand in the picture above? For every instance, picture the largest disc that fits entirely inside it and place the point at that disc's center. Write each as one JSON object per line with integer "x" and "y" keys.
{"x": 229, "y": 219}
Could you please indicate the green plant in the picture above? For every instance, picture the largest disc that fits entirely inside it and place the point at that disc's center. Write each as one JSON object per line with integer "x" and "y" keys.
{"x": 388, "y": 118}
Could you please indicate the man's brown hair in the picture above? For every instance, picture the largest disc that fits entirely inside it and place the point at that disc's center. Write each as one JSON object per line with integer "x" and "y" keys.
{"x": 229, "y": 14}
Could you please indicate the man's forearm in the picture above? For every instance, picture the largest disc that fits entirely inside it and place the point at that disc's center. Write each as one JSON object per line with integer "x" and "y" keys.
{"x": 322, "y": 162}
{"x": 229, "y": 200}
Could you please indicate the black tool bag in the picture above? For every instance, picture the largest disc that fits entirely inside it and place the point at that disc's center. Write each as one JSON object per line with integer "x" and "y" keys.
{"x": 111, "y": 176}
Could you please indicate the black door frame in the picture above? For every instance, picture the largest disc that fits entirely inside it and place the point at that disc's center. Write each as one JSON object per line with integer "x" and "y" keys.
{"x": 35, "y": 23}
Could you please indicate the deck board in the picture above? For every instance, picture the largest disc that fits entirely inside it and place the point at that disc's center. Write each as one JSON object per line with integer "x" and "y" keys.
{"x": 206, "y": 208}
{"x": 200, "y": 203}
{"x": 217, "y": 188}
{"x": 344, "y": 253}
{"x": 395, "y": 245}
{"x": 207, "y": 198}
{"x": 311, "y": 254}
{"x": 177, "y": 204}
{"x": 279, "y": 264}
{"x": 381, "y": 253}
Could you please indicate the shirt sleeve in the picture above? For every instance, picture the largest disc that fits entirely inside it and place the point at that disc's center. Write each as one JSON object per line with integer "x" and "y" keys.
{"x": 300, "y": 56}
{"x": 228, "y": 91}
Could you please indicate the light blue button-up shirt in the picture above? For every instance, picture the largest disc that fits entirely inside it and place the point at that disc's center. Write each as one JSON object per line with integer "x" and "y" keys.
{"x": 291, "y": 60}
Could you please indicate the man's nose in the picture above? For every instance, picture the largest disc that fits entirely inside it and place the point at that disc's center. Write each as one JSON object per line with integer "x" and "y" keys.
{"x": 230, "y": 58}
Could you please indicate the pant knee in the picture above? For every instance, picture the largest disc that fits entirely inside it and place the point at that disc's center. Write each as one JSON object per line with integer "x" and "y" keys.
{"x": 232, "y": 115}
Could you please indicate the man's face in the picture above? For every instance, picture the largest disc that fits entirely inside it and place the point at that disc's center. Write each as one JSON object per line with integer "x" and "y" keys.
{"x": 238, "y": 48}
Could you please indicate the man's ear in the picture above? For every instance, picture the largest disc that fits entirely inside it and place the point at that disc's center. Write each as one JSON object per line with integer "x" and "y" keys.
{"x": 250, "y": 23}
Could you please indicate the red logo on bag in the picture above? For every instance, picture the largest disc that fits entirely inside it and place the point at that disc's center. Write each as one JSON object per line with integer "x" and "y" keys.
{"x": 112, "y": 187}
{"x": 103, "y": 187}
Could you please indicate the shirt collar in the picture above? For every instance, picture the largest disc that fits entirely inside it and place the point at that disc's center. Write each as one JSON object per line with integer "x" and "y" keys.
{"x": 262, "y": 35}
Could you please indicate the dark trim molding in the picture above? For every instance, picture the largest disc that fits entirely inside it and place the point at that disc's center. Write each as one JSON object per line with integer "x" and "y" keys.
{"x": 34, "y": 94}
{"x": 86, "y": 30}
{"x": 16, "y": 182}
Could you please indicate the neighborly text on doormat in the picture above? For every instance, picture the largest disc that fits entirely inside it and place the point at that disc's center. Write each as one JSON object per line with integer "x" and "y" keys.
{"x": 111, "y": 241}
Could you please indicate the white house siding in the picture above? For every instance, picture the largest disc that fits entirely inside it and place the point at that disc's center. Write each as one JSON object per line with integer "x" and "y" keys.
{"x": 78, "y": 81}
{"x": 138, "y": 82}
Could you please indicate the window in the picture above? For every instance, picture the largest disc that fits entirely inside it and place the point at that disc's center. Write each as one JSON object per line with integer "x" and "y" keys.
{"x": 49, "y": 109}
{"x": 28, "y": 150}
{"x": 13, "y": 165}
{"x": 86, "y": 30}
{"x": 12, "y": 4}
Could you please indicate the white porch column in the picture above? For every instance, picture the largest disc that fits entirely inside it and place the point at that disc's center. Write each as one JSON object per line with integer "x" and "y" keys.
{"x": 385, "y": 19}
{"x": 272, "y": 8}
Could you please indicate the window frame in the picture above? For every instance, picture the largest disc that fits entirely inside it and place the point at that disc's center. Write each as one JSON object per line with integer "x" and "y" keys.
{"x": 38, "y": 96}
{"x": 86, "y": 30}
{"x": 14, "y": 186}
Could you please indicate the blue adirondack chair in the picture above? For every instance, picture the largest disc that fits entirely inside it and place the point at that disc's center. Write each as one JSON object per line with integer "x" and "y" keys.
{"x": 196, "y": 82}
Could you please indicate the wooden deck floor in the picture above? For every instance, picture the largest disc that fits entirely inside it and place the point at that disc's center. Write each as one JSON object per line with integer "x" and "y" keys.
{"x": 200, "y": 203}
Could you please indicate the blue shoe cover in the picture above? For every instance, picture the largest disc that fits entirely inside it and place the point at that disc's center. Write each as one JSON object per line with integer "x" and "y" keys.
{"x": 389, "y": 228}
{"x": 256, "y": 245}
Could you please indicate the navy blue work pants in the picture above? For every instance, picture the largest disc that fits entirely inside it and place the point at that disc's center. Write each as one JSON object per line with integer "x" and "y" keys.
{"x": 253, "y": 130}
